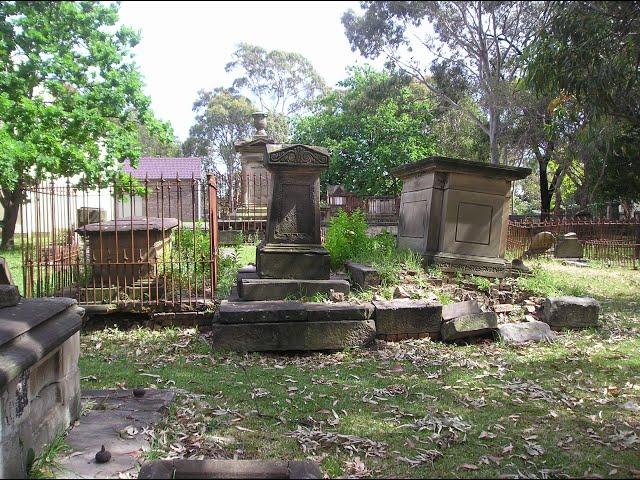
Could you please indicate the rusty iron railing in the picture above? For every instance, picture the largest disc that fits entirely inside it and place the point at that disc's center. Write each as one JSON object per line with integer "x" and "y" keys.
{"x": 134, "y": 244}
{"x": 616, "y": 242}
{"x": 242, "y": 204}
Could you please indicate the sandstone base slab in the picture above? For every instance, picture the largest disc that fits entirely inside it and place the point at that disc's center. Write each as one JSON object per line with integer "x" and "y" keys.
{"x": 405, "y": 316}
{"x": 532, "y": 331}
{"x": 229, "y": 469}
{"x": 571, "y": 312}
{"x": 293, "y": 261}
{"x": 294, "y": 336}
{"x": 469, "y": 326}
{"x": 279, "y": 289}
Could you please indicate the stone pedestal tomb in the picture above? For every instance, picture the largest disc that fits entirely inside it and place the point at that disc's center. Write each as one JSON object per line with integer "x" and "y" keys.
{"x": 255, "y": 179}
{"x": 292, "y": 246}
{"x": 455, "y": 213}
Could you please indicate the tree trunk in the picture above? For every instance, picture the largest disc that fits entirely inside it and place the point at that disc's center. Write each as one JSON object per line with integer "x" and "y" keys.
{"x": 11, "y": 205}
{"x": 545, "y": 193}
{"x": 493, "y": 136}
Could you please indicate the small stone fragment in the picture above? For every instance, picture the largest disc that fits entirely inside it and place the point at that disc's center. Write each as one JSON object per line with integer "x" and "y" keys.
{"x": 103, "y": 456}
{"x": 532, "y": 331}
{"x": 9, "y": 296}
{"x": 336, "y": 296}
{"x": 401, "y": 292}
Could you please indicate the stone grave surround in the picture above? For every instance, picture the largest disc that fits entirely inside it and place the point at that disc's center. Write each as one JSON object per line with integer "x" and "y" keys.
{"x": 455, "y": 213}
{"x": 39, "y": 377}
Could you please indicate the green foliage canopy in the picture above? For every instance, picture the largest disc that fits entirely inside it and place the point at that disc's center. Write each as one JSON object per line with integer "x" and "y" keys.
{"x": 373, "y": 123}
{"x": 70, "y": 94}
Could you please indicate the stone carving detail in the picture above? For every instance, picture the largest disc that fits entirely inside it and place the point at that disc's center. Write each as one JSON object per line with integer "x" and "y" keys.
{"x": 299, "y": 155}
{"x": 287, "y": 228}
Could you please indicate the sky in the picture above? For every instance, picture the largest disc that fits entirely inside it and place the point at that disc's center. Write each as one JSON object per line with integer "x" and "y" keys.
{"x": 185, "y": 45}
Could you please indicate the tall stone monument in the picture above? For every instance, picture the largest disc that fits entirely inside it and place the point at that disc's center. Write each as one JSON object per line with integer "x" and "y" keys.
{"x": 255, "y": 179}
{"x": 292, "y": 246}
{"x": 455, "y": 213}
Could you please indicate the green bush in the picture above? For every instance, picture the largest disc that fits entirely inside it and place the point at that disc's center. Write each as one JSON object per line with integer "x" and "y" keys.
{"x": 346, "y": 237}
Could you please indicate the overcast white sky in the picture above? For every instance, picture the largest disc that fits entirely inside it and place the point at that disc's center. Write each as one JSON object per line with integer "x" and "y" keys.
{"x": 185, "y": 45}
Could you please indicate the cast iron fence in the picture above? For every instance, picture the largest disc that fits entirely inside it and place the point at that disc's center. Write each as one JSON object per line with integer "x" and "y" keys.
{"x": 132, "y": 244}
{"x": 616, "y": 242}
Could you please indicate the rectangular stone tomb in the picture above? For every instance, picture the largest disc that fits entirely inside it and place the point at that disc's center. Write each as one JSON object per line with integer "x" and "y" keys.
{"x": 39, "y": 377}
{"x": 278, "y": 289}
{"x": 455, "y": 213}
{"x": 292, "y": 336}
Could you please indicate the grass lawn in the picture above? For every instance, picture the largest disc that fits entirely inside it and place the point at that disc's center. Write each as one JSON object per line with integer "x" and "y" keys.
{"x": 408, "y": 409}
{"x": 13, "y": 257}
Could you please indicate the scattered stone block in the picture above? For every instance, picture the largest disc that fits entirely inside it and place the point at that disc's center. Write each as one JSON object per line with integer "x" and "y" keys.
{"x": 504, "y": 308}
{"x": 531, "y": 331}
{"x": 571, "y": 312}
{"x": 9, "y": 296}
{"x": 327, "y": 312}
{"x": 400, "y": 292}
{"x": 453, "y": 310}
{"x": 363, "y": 275}
{"x": 262, "y": 312}
{"x": 292, "y": 336}
{"x": 568, "y": 246}
{"x": 169, "y": 469}
{"x": 469, "y": 326}
{"x": 518, "y": 266}
{"x": 279, "y": 289}
{"x": 404, "y": 316}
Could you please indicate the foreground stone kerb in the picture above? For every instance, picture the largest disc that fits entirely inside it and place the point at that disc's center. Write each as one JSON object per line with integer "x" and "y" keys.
{"x": 455, "y": 212}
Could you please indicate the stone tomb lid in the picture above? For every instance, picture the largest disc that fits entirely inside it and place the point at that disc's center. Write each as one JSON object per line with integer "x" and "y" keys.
{"x": 459, "y": 165}
{"x": 296, "y": 155}
{"x": 127, "y": 224}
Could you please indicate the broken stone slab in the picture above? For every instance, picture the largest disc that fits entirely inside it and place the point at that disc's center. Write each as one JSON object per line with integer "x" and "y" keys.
{"x": 363, "y": 275}
{"x": 292, "y": 336}
{"x": 327, "y": 312}
{"x": 531, "y": 331}
{"x": 9, "y": 296}
{"x": 262, "y": 312}
{"x": 279, "y": 289}
{"x": 117, "y": 420}
{"x": 469, "y": 326}
{"x": 454, "y": 310}
{"x": 166, "y": 469}
{"x": 404, "y": 316}
{"x": 571, "y": 312}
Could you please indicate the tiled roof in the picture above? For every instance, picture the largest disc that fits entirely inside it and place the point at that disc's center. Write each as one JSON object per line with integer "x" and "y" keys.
{"x": 168, "y": 167}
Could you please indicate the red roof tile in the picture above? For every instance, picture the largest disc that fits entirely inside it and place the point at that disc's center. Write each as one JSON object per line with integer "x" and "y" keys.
{"x": 168, "y": 167}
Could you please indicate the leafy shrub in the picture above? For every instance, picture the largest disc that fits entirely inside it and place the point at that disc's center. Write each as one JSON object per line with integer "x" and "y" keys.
{"x": 346, "y": 237}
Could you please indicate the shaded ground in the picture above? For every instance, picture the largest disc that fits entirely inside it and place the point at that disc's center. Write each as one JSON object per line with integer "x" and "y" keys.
{"x": 408, "y": 409}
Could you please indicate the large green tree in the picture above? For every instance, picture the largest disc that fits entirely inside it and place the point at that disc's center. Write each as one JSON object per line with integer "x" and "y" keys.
{"x": 285, "y": 84}
{"x": 70, "y": 97}
{"x": 372, "y": 123}
{"x": 589, "y": 57}
{"x": 222, "y": 118}
{"x": 482, "y": 40}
